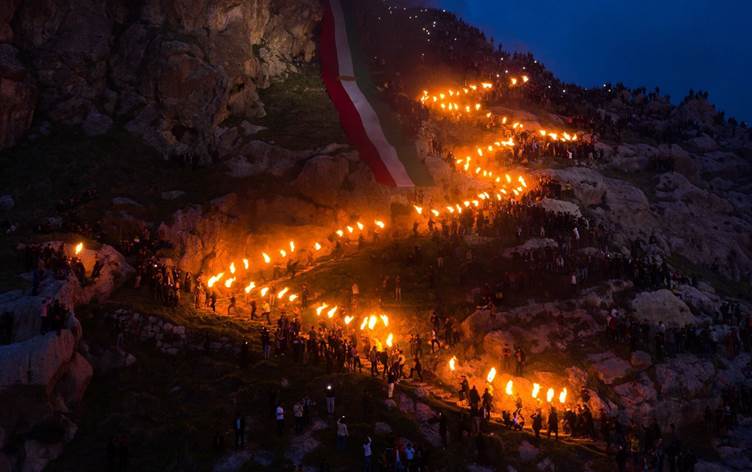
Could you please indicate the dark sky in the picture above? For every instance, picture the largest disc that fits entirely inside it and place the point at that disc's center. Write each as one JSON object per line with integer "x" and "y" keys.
{"x": 674, "y": 44}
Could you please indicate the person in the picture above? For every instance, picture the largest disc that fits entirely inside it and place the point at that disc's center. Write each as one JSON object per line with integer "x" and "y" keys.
{"x": 443, "y": 426}
{"x": 519, "y": 357}
{"x": 553, "y": 423}
{"x": 464, "y": 389}
{"x": 342, "y": 434}
{"x": 397, "y": 289}
{"x": 297, "y": 412}
{"x": 409, "y": 455}
{"x": 330, "y": 399}
{"x": 214, "y": 302}
{"x": 279, "y": 414}
{"x": 367, "y": 454}
{"x": 417, "y": 369}
{"x": 266, "y": 343}
{"x": 266, "y": 311}
{"x": 537, "y": 422}
{"x": 390, "y": 379}
{"x": 253, "y": 309}
{"x": 239, "y": 430}
{"x": 435, "y": 341}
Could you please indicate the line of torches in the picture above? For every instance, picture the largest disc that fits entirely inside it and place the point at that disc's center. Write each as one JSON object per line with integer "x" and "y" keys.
{"x": 267, "y": 258}
{"x": 509, "y": 386}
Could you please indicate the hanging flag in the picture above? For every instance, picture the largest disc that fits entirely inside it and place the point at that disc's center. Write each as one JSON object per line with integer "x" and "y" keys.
{"x": 369, "y": 123}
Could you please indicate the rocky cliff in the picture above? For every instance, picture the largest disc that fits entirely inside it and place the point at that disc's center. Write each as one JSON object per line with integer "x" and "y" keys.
{"x": 169, "y": 71}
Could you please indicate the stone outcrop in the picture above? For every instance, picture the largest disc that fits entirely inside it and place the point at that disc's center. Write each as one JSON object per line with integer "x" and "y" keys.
{"x": 170, "y": 71}
{"x": 37, "y": 361}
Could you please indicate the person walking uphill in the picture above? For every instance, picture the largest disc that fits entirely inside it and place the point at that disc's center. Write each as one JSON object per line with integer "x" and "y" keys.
{"x": 342, "y": 434}
{"x": 330, "y": 396}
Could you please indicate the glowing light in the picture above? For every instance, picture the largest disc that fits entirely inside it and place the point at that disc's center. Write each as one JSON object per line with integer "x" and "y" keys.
{"x": 266, "y": 257}
{"x": 453, "y": 363}
{"x": 536, "y": 389}
{"x": 372, "y": 322}
{"x": 283, "y": 253}
{"x": 340, "y": 233}
{"x": 245, "y": 263}
{"x": 320, "y": 308}
{"x": 491, "y": 375}
{"x": 282, "y": 292}
{"x": 384, "y": 319}
{"x": 563, "y": 395}
{"x": 264, "y": 291}
{"x": 292, "y": 298}
{"x": 317, "y": 246}
{"x": 364, "y": 323}
{"x": 348, "y": 319}
{"x": 390, "y": 339}
{"x": 359, "y": 225}
{"x": 350, "y": 229}
{"x": 250, "y": 287}
{"x": 331, "y": 312}
{"x": 232, "y": 267}
{"x": 379, "y": 223}
{"x": 228, "y": 282}
{"x": 292, "y": 246}
{"x": 418, "y": 210}
{"x": 79, "y": 247}
{"x": 509, "y": 387}
{"x": 550, "y": 395}
{"x": 214, "y": 279}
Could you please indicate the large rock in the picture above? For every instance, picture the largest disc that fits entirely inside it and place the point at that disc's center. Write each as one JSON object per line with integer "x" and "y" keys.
{"x": 321, "y": 179}
{"x": 75, "y": 381}
{"x": 685, "y": 376}
{"x": 587, "y": 184}
{"x": 608, "y": 367}
{"x": 41, "y": 360}
{"x": 662, "y": 305}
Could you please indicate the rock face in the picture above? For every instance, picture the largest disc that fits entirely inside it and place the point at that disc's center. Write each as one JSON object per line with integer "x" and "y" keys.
{"x": 662, "y": 305}
{"x": 17, "y": 96}
{"x": 38, "y": 361}
{"x": 170, "y": 71}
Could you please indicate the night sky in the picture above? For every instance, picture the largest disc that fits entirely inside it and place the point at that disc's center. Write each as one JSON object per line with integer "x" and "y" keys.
{"x": 673, "y": 44}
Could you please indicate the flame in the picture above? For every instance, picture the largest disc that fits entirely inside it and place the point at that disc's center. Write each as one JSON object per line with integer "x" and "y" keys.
{"x": 379, "y": 223}
{"x": 282, "y": 292}
{"x": 340, "y": 233}
{"x": 228, "y": 282}
{"x": 320, "y": 308}
{"x": 266, "y": 257}
{"x": 371, "y": 322}
{"x": 364, "y": 323}
{"x": 331, "y": 312}
{"x": 550, "y": 395}
{"x": 418, "y": 209}
{"x": 283, "y": 253}
{"x": 350, "y": 229}
{"x": 317, "y": 246}
{"x": 563, "y": 395}
{"x": 435, "y": 212}
{"x": 214, "y": 279}
{"x": 348, "y": 319}
{"x": 536, "y": 389}
{"x": 245, "y": 263}
{"x": 384, "y": 319}
{"x": 389, "y": 340}
{"x": 359, "y": 225}
{"x": 491, "y": 375}
{"x": 525, "y": 78}
{"x": 79, "y": 247}
{"x": 232, "y": 267}
{"x": 250, "y": 287}
{"x": 513, "y": 81}
{"x": 453, "y": 363}
{"x": 264, "y": 291}
{"x": 292, "y": 297}
{"x": 508, "y": 388}
{"x": 292, "y": 246}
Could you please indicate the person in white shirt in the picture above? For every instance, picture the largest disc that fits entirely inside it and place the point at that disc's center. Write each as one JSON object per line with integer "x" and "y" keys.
{"x": 342, "y": 434}
{"x": 367, "y": 453}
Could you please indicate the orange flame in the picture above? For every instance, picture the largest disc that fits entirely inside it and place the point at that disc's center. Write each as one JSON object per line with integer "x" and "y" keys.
{"x": 491, "y": 375}
{"x": 79, "y": 247}
{"x": 550, "y": 395}
{"x": 508, "y": 388}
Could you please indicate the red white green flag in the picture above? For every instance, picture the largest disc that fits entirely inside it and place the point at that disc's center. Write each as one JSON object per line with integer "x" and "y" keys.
{"x": 369, "y": 123}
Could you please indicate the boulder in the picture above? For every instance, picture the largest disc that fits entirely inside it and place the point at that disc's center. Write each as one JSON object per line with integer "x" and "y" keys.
{"x": 588, "y": 185}
{"x": 527, "y": 451}
{"x": 321, "y": 178}
{"x": 662, "y": 305}
{"x": 76, "y": 379}
{"x": 560, "y": 206}
{"x": 640, "y": 360}
{"x": 685, "y": 376}
{"x": 41, "y": 360}
{"x": 608, "y": 367}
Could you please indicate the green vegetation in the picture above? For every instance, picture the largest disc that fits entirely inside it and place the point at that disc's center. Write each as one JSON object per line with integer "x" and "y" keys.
{"x": 300, "y": 114}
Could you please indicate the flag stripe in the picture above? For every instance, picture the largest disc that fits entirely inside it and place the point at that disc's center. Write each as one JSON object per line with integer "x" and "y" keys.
{"x": 349, "y": 117}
